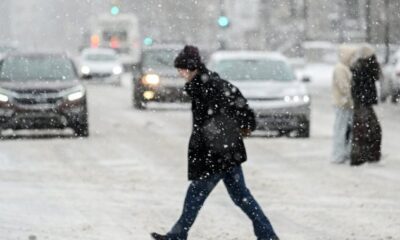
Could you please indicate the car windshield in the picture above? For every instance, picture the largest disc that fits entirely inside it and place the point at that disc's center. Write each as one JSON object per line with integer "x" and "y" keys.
{"x": 156, "y": 59}
{"x": 101, "y": 57}
{"x": 253, "y": 69}
{"x": 26, "y": 68}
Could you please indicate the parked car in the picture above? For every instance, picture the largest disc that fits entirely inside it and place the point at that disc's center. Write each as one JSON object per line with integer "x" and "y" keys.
{"x": 281, "y": 102}
{"x": 101, "y": 64}
{"x": 157, "y": 80}
{"x": 42, "y": 91}
{"x": 390, "y": 84}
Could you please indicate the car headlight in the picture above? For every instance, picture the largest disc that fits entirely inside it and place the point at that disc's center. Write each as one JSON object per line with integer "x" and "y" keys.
{"x": 297, "y": 98}
{"x": 75, "y": 95}
{"x": 4, "y": 98}
{"x": 85, "y": 70}
{"x": 117, "y": 70}
{"x": 151, "y": 79}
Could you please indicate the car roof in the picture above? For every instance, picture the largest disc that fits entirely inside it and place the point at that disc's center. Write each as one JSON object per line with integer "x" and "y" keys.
{"x": 221, "y": 55}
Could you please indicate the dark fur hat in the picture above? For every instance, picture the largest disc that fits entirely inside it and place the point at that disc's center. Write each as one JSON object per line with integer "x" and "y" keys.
{"x": 188, "y": 58}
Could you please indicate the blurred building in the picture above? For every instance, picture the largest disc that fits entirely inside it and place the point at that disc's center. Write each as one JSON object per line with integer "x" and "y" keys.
{"x": 253, "y": 24}
{"x": 5, "y": 31}
{"x": 283, "y": 24}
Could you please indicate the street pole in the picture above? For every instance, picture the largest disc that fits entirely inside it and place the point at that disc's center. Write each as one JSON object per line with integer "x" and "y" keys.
{"x": 305, "y": 19}
{"x": 387, "y": 31}
{"x": 368, "y": 21}
{"x": 221, "y": 38}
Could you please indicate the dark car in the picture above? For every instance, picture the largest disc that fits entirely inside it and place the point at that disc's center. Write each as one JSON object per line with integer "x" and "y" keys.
{"x": 42, "y": 91}
{"x": 157, "y": 80}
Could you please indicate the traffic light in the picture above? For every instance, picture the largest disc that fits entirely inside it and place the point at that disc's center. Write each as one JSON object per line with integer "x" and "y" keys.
{"x": 148, "y": 41}
{"x": 114, "y": 10}
{"x": 223, "y": 21}
{"x": 94, "y": 41}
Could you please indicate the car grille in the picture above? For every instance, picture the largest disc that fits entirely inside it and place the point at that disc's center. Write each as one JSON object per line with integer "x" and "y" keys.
{"x": 32, "y": 101}
{"x": 100, "y": 75}
{"x": 36, "y": 91}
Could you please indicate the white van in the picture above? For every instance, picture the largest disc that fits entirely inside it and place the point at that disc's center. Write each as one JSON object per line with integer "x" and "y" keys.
{"x": 120, "y": 32}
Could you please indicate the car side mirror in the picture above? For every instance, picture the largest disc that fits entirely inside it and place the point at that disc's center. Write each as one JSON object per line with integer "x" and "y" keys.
{"x": 306, "y": 79}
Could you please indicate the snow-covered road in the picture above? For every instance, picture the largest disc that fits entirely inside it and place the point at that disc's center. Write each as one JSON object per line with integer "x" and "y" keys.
{"x": 129, "y": 178}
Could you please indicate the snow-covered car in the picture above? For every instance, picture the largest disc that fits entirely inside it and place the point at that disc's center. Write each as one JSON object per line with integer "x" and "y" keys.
{"x": 42, "y": 91}
{"x": 101, "y": 64}
{"x": 157, "y": 80}
{"x": 280, "y": 100}
{"x": 390, "y": 84}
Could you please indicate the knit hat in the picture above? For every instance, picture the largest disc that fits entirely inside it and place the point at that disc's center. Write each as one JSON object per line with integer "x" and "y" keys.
{"x": 188, "y": 58}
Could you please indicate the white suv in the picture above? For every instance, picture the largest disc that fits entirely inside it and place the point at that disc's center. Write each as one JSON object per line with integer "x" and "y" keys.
{"x": 390, "y": 85}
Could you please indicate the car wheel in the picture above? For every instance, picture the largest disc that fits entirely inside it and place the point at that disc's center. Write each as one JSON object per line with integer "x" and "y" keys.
{"x": 81, "y": 129}
{"x": 396, "y": 97}
{"x": 139, "y": 104}
{"x": 304, "y": 130}
{"x": 383, "y": 98}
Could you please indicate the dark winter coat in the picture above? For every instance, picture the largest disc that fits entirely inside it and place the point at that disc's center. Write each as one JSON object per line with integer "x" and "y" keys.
{"x": 367, "y": 133}
{"x": 219, "y": 112}
{"x": 365, "y": 71}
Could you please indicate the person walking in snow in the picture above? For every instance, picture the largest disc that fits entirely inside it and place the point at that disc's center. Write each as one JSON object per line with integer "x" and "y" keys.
{"x": 343, "y": 105}
{"x": 221, "y": 118}
{"x": 367, "y": 132}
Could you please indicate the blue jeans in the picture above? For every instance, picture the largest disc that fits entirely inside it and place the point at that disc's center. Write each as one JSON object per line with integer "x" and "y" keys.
{"x": 342, "y": 134}
{"x": 234, "y": 182}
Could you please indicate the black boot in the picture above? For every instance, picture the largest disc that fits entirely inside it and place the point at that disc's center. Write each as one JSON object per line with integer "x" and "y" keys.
{"x": 157, "y": 236}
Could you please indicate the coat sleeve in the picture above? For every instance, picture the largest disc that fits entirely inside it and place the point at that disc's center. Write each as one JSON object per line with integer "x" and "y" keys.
{"x": 341, "y": 87}
{"x": 225, "y": 97}
{"x": 342, "y": 80}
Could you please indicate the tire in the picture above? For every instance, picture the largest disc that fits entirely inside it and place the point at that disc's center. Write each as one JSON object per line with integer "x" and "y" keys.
{"x": 383, "y": 98}
{"x": 304, "y": 130}
{"x": 81, "y": 129}
{"x": 396, "y": 97}
{"x": 138, "y": 104}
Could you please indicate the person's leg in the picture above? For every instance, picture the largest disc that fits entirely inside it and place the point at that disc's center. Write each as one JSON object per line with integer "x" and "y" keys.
{"x": 340, "y": 126}
{"x": 375, "y": 136}
{"x": 349, "y": 133}
{"x": 241, "y": 196}
{"x": 197, "y": 193}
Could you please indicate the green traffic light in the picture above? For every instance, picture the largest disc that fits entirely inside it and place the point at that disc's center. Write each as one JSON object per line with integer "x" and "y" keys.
{"x": 114, "y": 10}
{"x": 223, "y": 21}
{"x": 148, "y": 41}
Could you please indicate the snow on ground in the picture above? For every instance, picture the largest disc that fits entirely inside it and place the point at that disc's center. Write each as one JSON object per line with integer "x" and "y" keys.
{"x": 129, "y": 179}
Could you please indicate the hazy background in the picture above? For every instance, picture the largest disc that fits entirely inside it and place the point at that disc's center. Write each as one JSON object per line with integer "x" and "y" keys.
{"x": 254, "y": 24}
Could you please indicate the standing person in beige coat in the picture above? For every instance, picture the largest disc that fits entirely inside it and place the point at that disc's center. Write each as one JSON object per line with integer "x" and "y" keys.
{"x": 343, "y": 105}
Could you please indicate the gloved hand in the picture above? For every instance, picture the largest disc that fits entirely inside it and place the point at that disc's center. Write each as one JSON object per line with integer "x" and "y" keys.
{"x": 245, "y": 132}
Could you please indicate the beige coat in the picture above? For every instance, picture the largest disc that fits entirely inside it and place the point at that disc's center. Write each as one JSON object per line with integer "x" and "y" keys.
{"x": 341, "y": 84}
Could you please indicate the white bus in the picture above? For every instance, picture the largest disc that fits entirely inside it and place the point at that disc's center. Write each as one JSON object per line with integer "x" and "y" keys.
{"x": 120, "y": 32}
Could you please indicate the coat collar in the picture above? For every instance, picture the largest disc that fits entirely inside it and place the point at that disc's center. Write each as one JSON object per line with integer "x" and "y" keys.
{"x": 193, "y": 87}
